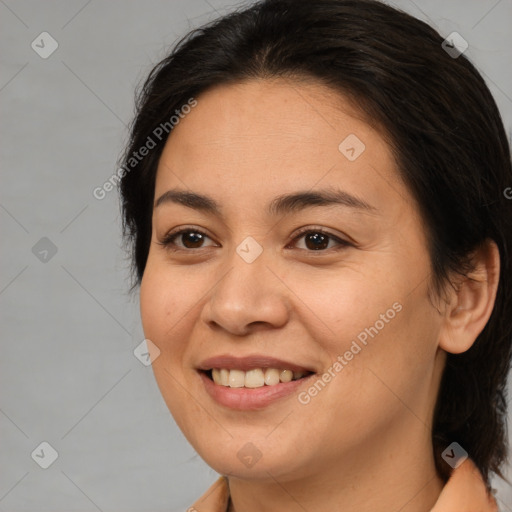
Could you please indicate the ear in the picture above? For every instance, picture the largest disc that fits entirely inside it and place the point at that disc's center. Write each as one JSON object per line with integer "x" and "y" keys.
{"x": 471, "y": 300}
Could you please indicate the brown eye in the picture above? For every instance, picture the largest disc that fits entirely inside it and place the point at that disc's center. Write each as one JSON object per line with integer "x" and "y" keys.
{"x": 192, "y": 239}
{"x": 318, "y": 240}
{"x": 185, "y": 239}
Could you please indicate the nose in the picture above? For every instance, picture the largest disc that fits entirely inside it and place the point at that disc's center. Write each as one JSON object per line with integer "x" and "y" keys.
{"x": 247, "y": 298}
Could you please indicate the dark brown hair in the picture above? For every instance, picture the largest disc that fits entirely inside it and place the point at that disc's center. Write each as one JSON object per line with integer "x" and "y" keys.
{"x": 441, "y": 122}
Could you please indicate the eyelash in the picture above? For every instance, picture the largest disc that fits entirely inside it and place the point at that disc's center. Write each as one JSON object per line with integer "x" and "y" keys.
{"x": 168, "y": 241}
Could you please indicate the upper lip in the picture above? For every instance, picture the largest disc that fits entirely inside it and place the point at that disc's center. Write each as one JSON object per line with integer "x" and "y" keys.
{"x": 250, "y": 362}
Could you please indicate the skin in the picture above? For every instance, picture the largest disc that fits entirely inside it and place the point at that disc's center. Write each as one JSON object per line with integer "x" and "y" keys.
{"x": 364, "y": 439}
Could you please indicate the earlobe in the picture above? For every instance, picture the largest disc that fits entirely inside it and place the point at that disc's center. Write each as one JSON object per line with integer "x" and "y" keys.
{"x": 471, "y": 301}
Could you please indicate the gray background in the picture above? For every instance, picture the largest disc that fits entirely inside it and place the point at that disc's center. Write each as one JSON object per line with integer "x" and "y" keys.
{"x": 69, "y": 326}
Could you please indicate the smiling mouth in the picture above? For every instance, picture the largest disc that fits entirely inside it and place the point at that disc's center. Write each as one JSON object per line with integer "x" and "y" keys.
{"x": 254, "y": 378}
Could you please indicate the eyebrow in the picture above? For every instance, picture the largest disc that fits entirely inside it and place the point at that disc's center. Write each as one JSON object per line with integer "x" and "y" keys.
{"x": 286, "y": 203}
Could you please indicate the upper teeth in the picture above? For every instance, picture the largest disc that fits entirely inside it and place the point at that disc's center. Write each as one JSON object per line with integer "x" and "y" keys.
{"x": 255, "y": 378}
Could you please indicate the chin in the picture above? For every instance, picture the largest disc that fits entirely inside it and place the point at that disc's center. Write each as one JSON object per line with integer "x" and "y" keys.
{"x": 256, "y": 459}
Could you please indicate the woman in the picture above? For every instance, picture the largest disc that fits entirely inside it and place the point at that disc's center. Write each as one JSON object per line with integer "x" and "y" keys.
{"x": 323, "y": 251}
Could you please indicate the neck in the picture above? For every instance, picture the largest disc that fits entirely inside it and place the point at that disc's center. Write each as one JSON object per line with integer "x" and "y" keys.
{"x": 395, "y": 473}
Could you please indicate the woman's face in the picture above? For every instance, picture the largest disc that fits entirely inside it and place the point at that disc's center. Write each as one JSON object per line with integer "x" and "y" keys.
{"x": 303, "y": 252}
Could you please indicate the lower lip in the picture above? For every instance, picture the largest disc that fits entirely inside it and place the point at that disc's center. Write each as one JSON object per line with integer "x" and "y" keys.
{"x": 246, "y": 399}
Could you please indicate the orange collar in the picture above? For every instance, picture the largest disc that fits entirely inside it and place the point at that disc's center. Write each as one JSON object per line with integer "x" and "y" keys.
{"x": 465, "y": 491}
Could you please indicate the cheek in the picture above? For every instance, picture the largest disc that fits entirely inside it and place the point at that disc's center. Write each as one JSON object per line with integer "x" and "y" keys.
{"x": 341, "y": 303}
{"x": 154, "y": 305}
{"x": 381, "y": 319}
{"x": 165, "y": 297}
{"x": 169, "y": 305}
{"x": 393, "y": 371}
{"x": 162, "y": 304}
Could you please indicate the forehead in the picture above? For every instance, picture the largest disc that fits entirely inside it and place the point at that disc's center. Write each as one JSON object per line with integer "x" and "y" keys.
{"x": 256, "y": 137}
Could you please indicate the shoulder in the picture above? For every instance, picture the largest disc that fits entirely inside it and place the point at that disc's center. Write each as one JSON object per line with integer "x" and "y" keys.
{"x": 465, "y": 491}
